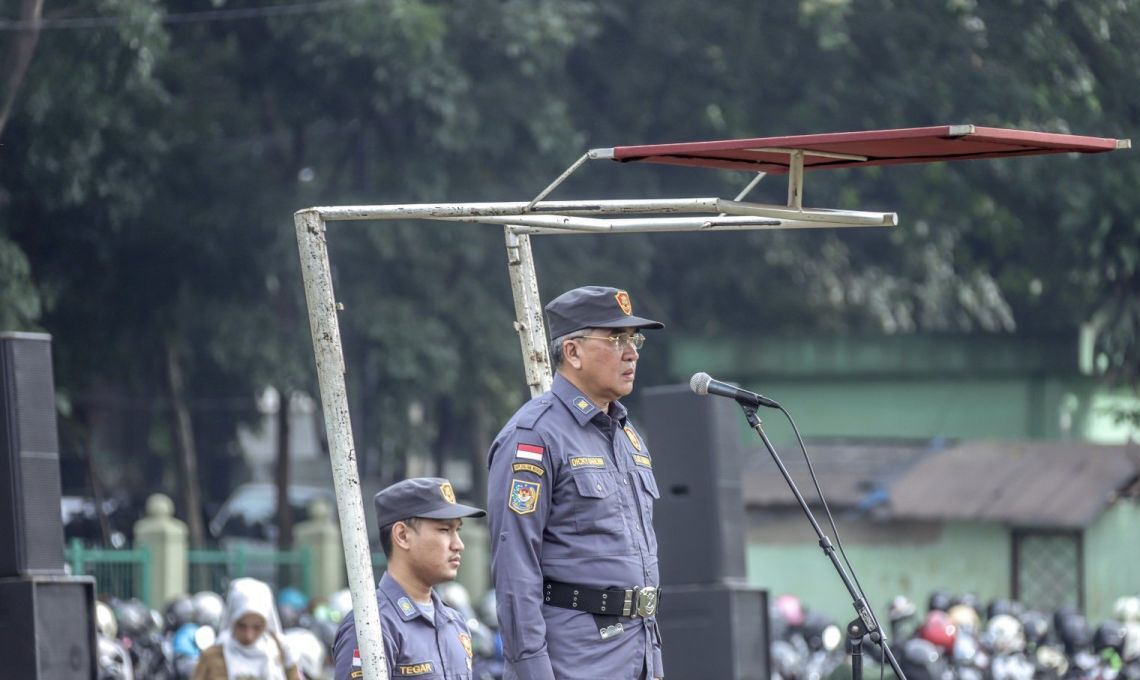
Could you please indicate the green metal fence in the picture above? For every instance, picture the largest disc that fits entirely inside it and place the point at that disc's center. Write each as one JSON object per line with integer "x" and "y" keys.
{"x": 214, "y": 569}
{"x": 118, "y": 573}
{"x": 127, "y": 573}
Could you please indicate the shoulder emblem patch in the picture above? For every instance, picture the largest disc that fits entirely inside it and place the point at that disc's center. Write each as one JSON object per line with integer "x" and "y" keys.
{"x": 447, "y": 492}
{"x": 524, "y": 496}
{"x": 633, "y": 438}
{"x": 528, "y": 467}
{"x": 587, "y": 461}
{"x": 414, "y": 669}
{"x": 406, "y": 606}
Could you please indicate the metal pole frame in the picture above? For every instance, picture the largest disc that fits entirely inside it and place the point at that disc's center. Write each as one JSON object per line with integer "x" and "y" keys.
{"x": 519, "y": 219}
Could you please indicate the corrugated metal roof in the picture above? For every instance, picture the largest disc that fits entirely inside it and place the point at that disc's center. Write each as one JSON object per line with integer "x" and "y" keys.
{"x": 1022, "y": 483}
{"x": 1029, "y": 484}
{"x": 851, "y": 474}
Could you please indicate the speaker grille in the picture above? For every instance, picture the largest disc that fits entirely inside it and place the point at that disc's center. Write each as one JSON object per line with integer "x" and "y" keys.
{"x": 29, "y": 460}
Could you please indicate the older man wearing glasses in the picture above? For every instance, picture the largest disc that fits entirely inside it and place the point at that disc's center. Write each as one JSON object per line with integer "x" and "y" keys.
{"x": 570, "y": 497}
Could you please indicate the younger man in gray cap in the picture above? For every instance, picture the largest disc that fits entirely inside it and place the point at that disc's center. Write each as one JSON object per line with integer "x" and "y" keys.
{"x": 419, "y": 533}
{"x": 570, "y": 493}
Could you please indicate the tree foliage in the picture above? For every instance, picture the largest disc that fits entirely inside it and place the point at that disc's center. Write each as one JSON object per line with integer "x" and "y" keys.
{"x": 151, "y": 163}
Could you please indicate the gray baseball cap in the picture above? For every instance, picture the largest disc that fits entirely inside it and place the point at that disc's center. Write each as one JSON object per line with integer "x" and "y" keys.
{"x": 593, "y": 307}
{"x": 428, "y": 497}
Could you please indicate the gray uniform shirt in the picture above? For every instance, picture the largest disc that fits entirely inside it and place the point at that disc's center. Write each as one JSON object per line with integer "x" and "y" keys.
{"x": 570, "y": 498}
{"x": 416, "y": 646}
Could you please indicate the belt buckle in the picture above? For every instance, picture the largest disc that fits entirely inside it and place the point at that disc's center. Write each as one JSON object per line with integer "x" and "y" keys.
{"x": 646, "y": 601}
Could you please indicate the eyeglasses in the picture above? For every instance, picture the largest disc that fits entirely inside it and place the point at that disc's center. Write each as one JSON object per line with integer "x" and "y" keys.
{"x": 619, "y": 342}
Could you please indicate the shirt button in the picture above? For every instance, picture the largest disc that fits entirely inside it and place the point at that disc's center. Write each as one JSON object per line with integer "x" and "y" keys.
{"x": 627, "y": 482}
{"x": 598, "y": 487}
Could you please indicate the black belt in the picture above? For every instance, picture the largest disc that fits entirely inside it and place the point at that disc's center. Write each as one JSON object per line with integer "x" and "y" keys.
{"x": 637, "y": 601}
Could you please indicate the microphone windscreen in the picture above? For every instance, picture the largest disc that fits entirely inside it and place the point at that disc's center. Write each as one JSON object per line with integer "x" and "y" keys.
{"x": 699, "y": 383}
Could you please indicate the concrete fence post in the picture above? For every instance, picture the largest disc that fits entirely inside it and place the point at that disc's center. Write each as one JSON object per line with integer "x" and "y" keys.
{"x": 166, "y": 537}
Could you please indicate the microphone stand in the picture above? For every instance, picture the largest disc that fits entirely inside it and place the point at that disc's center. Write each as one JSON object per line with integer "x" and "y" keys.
{"x": 864, "y": 624}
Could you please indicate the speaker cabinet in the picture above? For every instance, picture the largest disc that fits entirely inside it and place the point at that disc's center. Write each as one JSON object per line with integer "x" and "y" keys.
{"x": 29, "y": 459}
{"x": 715, "y": 631}
{"x": 697, "y": 452}
{"x": 47, "y": 628}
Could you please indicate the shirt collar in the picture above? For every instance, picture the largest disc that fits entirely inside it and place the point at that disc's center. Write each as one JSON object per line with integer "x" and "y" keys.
{"x": 404, "y": 605}
{"x": 579, "y": 405}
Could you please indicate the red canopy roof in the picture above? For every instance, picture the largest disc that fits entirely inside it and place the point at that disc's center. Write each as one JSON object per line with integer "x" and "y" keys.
{"x": 873, "y": 147}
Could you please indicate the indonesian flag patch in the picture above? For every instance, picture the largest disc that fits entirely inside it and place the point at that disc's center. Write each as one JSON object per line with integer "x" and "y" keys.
{"x": 356, "y": 658}
{"x": 529, "y": 452}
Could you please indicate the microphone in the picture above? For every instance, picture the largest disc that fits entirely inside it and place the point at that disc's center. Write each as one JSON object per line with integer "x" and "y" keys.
{"x": 703, "y": 383}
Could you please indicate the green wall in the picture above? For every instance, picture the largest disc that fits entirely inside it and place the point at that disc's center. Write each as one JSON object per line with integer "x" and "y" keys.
{"x": 914, "y": 386}
{"x": 1112, "y": 558}
{"x": 894, "y": 558}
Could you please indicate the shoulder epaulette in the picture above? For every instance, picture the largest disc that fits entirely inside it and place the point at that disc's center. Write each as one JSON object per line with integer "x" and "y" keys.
{"x": 534, "y": 410}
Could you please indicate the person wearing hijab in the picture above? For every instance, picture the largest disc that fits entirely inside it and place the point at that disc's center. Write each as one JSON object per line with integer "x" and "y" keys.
{"x": 250, "y": 645}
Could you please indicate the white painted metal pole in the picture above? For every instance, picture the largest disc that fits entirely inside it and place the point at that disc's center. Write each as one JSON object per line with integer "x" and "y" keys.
{"x": 528, "y": 312}
{"x": 313, "y": 246}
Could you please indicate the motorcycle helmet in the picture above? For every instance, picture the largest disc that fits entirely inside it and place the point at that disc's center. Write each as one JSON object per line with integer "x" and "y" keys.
{"x": 208, "y": 609}
{"x": 1130, "y": 653}
{"x": 965, "y": 617}
{"x": 1109, "y": 635}
{"x": 1036, "y": 627}
{"x": 999, "y": 606}
{"x": 900, "y": 608}
{"x": 790, "y": 609}
{"x": 922, "y": 660}
{"x": 1072, "y": 629}
{"x": 785, "y": 660}
{"x": 1126, "y": 609}
{"x": 939, "y": 601}
{"x": 307, "y": 650}
{"x": 454, "y": 595}
{"x": 184, "y": 643}
{"x": 938, "y": 630}
{"x": 134, "y": 617}
{"x": 291, "y": 597}
{"x": 489, "y": 609}
{"x": 180, "y": 611}
{"x": 339, "y": 604}
{"x": 1005, "y": 634}
{"x": 105, "y": 622}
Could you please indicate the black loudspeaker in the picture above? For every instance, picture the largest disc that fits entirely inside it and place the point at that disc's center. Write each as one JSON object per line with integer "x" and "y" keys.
{"x": 31, "y": 530}
{"x": 47, "y": 628}
{"x": 714, "y": 631}
{"x": 697, "y": 452}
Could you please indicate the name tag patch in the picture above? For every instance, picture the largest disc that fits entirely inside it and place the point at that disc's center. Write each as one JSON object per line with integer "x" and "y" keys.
{"x": 414, "y": 669}
{"x": 524, "y": 496}
{"x": 528, "y": 467}
{"x": 643, "y": 461}
{"x": 587, "y": 461}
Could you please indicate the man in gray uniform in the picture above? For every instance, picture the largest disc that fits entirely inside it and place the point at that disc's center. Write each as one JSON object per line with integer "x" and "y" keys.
{"x": 419, "y": 533}
{"x": 570, "y": 493}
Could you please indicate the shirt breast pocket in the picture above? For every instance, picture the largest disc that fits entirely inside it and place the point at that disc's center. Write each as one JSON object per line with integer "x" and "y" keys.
{"x": 597, "y": 507}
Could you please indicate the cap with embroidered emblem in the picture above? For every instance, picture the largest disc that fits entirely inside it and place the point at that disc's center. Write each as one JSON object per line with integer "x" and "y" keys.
{"x": 593, "y": 307}
{"x": 427, "y": 497}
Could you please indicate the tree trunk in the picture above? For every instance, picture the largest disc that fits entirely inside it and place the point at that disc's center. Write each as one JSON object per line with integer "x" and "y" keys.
{"x": 19, "y": 57}
{"x": 284, "y": 510}
{"x": 186, "y": 452}
{"x": 480, "y": 441}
